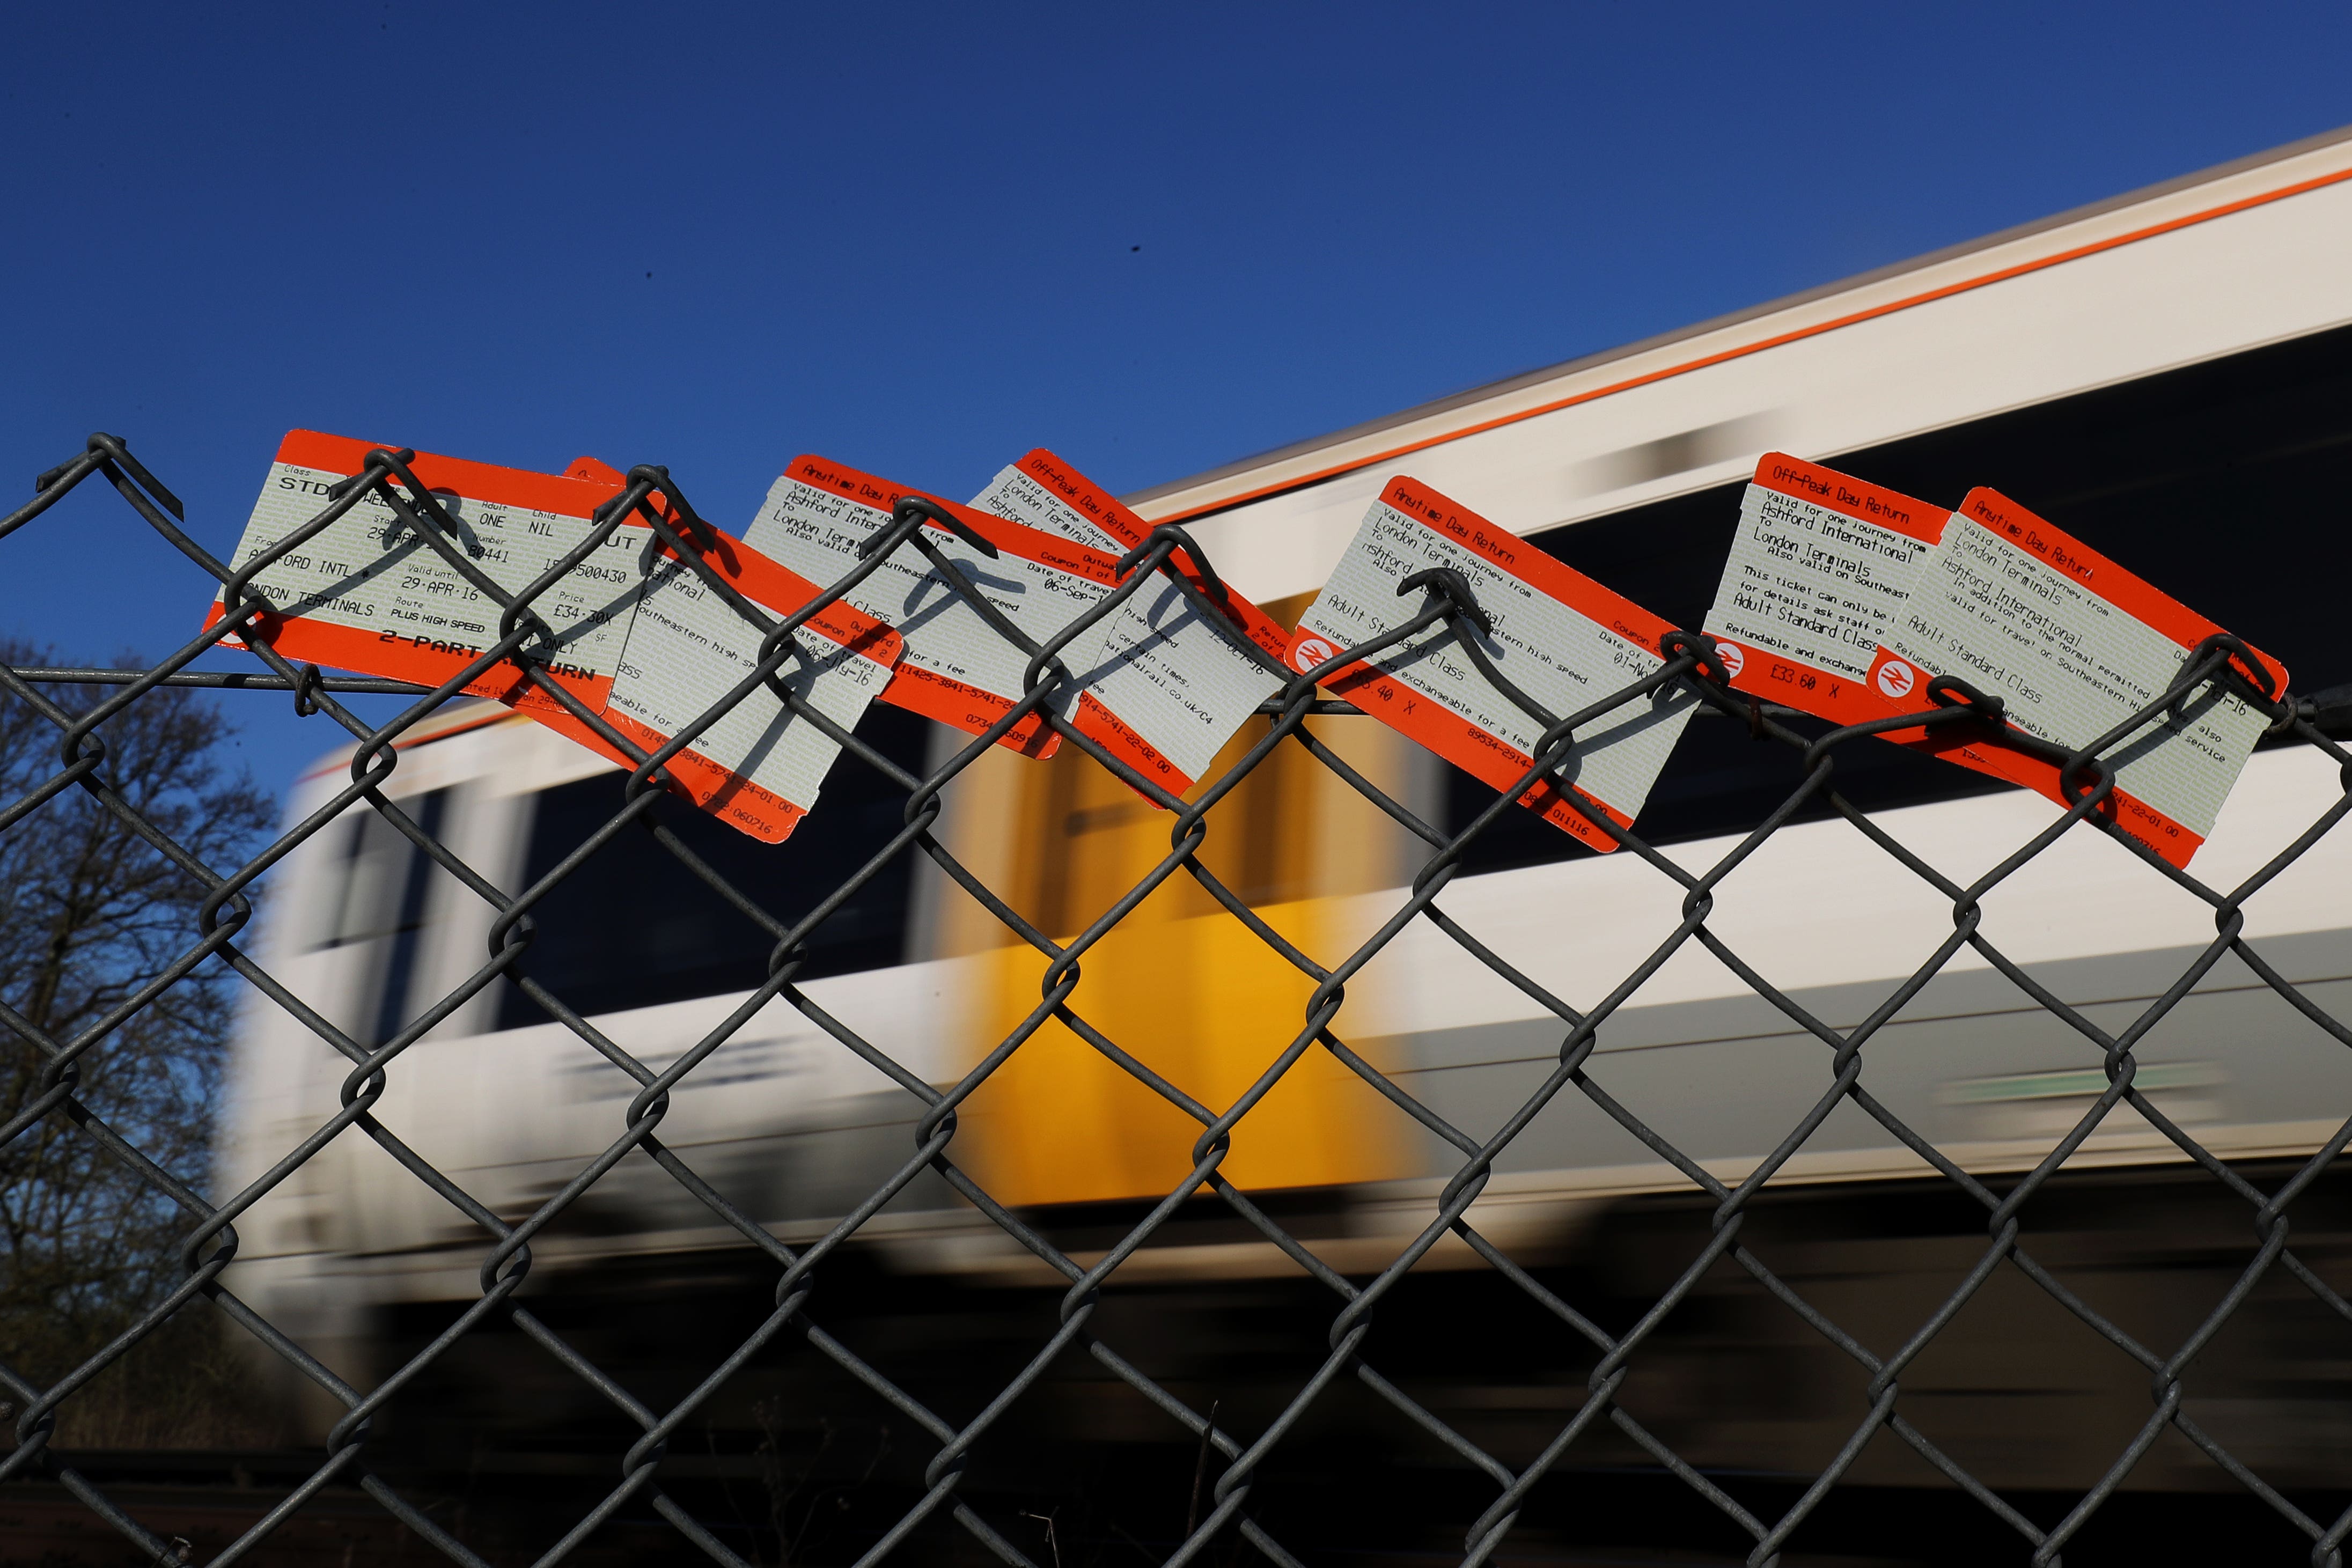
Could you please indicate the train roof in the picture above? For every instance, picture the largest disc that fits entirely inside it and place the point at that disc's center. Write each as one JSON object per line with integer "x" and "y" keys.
{"x": 2258, "y": 179}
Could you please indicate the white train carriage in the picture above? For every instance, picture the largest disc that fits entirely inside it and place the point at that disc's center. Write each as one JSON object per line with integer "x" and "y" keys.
{"x": 2169, "y": 375}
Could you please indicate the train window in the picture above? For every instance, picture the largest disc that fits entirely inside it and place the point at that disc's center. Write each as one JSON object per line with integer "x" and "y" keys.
{"x": 631, "y": 927}
{"x": 379, "y": 888}
{"x": 1720, "y": 779}
{"x": 381, "y": 895}
{"x": 395, "y": 1005}
{"x": 2218, "y": 482}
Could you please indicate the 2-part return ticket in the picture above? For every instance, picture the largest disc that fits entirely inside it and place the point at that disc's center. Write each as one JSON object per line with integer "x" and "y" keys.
{"x": 368, "y": 592}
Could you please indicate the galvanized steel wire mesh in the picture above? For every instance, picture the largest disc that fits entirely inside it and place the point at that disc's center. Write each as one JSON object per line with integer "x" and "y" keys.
{"x": 1230, "y": 1504}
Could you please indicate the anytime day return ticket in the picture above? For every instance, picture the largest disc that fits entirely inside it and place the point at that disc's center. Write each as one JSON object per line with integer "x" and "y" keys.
{"x": 1560, "y": 636}
{"x": 956, "y": 668}
{"x": 368, "y": 594}
{"x": 2074, "y": 644}
{"x": 1162, "y": 681}
{"x": 758, "y": 767}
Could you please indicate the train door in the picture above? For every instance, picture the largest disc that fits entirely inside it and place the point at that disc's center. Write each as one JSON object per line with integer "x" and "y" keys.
{"x": 1180, "y": 983}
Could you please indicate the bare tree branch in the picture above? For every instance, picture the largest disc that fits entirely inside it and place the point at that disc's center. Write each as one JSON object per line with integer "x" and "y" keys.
{"x": 90, "y": 911}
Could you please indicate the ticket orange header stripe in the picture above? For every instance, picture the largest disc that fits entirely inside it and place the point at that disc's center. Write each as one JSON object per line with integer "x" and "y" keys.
{"x": 417, "y": 657}
{"x": 1784, "y": 678}
{"x": 1019, "y": 539}
{"x": 1526, "y": 562}
{"x": 2127, "y": 591}
{"x": 1849, "y": 496}
{"x": 596, "y": 471}
{"x": 484, "y": 482}
{"x": 1092, "y": 503}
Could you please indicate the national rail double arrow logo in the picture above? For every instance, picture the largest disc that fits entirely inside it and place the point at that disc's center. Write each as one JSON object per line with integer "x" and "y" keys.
{"x": 1312, "y": 651}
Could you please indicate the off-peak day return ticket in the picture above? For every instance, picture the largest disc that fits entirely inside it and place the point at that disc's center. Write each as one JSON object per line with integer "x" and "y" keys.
{"x": 1164, "y": 682}
{"x": 1821, "y": 565}
{"x": 1560, "y": 636}
{"x": 2074, "y": 645}
{"x": 368, "y": 593}
{"x": 759, "y": 766}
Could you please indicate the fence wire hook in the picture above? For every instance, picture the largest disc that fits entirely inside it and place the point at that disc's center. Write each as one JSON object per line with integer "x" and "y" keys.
{"x": 306, "y": 692}
{"x": 1446, "y": 584}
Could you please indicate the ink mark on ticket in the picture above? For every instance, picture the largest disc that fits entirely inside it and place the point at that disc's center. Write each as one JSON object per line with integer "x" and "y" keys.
{"x": 759, "y": 766}
{"x": 2074, "y": 645}
{"x": 368, "y": 593}
{"x": 1165, "y": 685}
{"x": 1561, "y": 637}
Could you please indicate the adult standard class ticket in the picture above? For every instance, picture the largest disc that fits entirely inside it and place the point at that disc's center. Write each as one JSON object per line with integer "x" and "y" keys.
{"x": 2075, "y": 645}
{"x": 1164, "y": 683}
{"x": 956, "y": 667}
{"x": 759, "y": 766}
{"x": 1560, "y": 636}
{"x": 368, "y": 593}
{"x": 1819, "y": 568}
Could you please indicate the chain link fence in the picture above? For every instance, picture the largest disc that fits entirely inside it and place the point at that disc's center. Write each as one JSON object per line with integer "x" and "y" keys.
{"x": 1229, "y": 1499}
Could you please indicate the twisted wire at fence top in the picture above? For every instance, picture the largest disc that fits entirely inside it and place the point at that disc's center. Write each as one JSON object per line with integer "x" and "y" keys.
{"x": 652, "y": 496}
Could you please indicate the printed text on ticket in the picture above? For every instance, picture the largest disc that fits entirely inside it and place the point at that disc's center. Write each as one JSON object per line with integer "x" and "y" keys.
{"x": 1561, "y": 637}
{"x": 759, "y": 765}
{"x": 2074, "y": 645}
{"x": 368, "y": 593}
{"x": 1165, "y": 686}
{"x": 1819, "y": 567}
{"x": 957, "y": 668}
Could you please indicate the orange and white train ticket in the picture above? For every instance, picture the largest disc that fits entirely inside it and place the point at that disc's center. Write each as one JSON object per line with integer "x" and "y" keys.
{"x": 1560, "y": 636}
{"x": 367, "y": 593}
{"x": 759, "y": 766}
{"x": 1164, "y": 684}
{"x": 2074, "y": 645}
{"x": 956, "y": 668}
{"x": 1821, "y": 565}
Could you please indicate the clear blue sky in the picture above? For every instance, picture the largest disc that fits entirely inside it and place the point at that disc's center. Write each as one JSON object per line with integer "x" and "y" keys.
{"x": 922, "y": 239}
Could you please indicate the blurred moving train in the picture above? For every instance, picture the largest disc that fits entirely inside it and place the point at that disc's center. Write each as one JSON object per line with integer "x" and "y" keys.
{"x": 2169, "y": 375}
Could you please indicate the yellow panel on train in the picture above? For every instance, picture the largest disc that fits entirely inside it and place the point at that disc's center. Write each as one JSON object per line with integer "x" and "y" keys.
{"x": 1060, "y": 1122}
{"x": 1181, "y": 984}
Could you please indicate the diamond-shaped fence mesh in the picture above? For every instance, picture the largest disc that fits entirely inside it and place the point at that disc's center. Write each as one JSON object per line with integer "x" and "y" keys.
{"x": 1644, "y": 1373}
